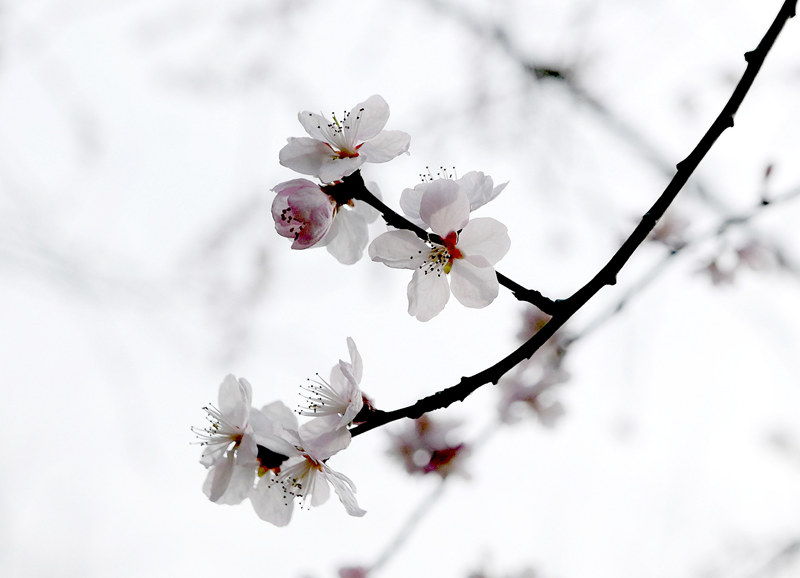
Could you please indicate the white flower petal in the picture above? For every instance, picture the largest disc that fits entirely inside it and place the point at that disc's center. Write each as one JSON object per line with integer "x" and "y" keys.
{"x": 235, "y": 396}
{"x": 486, "y": 237}
{"x": 369, "y": 117}
{"x": 239, "y": 486}
{"x": 219, "y": 477}
{"x": 367, "y": 211}
{"x": 385, "y": 146}
{"x": 355, "y": 401}
{"x": 247, "y": 450}
{"x": 345, "y": 490}
{"x": 333, "y": 168}
{"x": 270, "y": 503}
{"x": 444, "y": 207}
{"x": 347, "y": 236}
{"x": 427, "y": 294}
{"x": 410, "y": 200}
{"x": 479, "y": 188}
{"x": 317, "y": 487}
{"x": 322, "y": 437}
{"x": 474, "y": 281}
{"x": 399, "y": 249}
{"x": 278, "y": 414}
{"x": 355, "y": 360}
{"x": 305, "y": 155}
{"x": 315, "y": 125}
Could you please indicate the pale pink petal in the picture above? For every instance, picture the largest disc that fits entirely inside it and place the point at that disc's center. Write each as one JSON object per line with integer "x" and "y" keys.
{"x": 345, "y": 490}
{"x": 399, "y": 249}
{"x": 427, "y": 294}
{"x": 386, "y": 146}
{"x": 347, "y": 237}
{"x": 486, "y": 237}
{"x": 368, "y": 118}
{"x": 281, "y": 211}
{"x": 315, "y": 209}
{"x": 281, "y": 215}
{"x": 473, "y": 281}
{"x": 305, "y": 155}
{"x": 302, "y": 211}
{"x": 270, "y": 502}
{"x": 444, "y": 207}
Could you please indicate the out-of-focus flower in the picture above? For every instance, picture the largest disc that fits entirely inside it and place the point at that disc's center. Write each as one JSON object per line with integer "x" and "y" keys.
{"x": 469, "y": 250}
{"x": 341, "y": 396}
{"x": 338, "y": 147}
{"x": 304, "y": 212}
{"x": 729, "y": 260}
{"x": 531, "y": 382}
{"x": 670, "y": 232}
{"x": 427, "y": 447}
{"x": 353, "y": 572}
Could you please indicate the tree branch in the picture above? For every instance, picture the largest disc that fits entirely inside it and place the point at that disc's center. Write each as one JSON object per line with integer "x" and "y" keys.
{"x": 608, "y": 274}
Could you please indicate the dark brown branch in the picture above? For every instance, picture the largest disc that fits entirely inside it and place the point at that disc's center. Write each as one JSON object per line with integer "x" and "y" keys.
{"x": 608, "y": 274}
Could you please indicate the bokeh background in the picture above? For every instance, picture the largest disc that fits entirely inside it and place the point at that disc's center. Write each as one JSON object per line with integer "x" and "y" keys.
{"x": 138, "y": 147}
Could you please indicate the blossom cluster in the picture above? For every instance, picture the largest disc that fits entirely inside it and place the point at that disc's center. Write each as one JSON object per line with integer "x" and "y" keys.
{"x": 456, "y": 255}
{"x": 266, "y": 456}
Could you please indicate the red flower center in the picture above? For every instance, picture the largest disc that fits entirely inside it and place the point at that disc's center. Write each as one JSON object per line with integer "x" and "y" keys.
{"x": 449, "y": 243}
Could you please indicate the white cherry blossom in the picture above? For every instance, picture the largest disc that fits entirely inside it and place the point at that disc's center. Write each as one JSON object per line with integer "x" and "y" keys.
{"x": 468, "y": 251}
{"x": 478, "y": 187}
{"x": 229, "y": 447}
{"x": 305, "y": 475}
{"x": 341, "y": 395}
{"x": 337, "y": 148}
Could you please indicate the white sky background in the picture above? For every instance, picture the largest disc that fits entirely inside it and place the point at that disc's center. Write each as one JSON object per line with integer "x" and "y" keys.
{"x": 138, "y": 144}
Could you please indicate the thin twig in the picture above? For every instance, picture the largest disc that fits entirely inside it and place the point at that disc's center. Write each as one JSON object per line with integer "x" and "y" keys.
{"x": 352, "y": 187}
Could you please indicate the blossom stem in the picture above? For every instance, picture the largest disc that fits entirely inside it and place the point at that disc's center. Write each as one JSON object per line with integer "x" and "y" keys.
{"x": 608, "y": 274}
{"x": 352, "y": 187}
